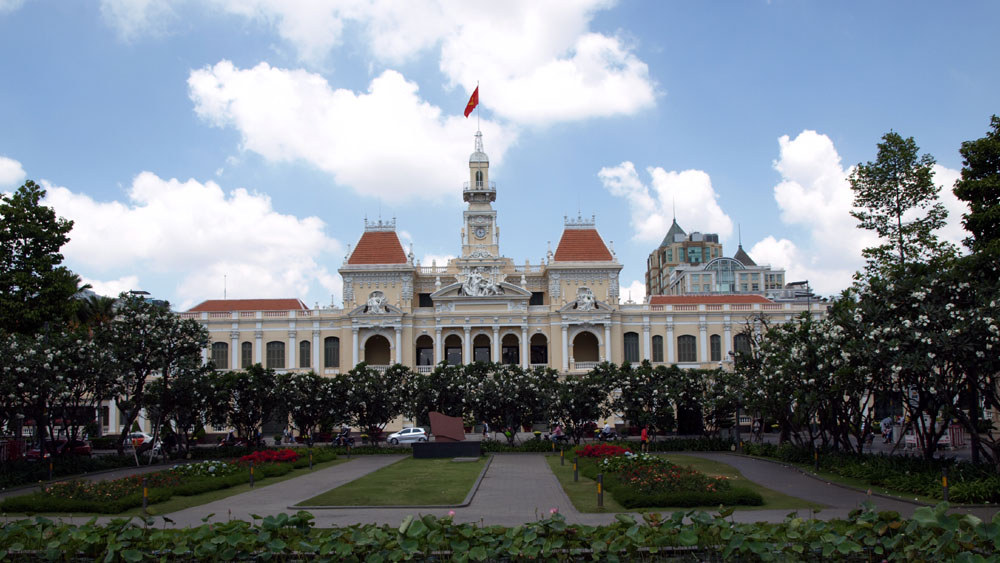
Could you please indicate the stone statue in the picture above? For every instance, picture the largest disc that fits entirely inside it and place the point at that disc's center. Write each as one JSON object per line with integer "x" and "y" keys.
{"x": 476, "y": 285}
{"x": 376, "y": 303}
{"x": 585, "y": 300}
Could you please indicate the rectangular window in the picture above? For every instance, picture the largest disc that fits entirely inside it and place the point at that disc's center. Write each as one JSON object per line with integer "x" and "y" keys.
{"x": 305, "y": 351}
{"x": 425, "y": 356}
{"x": 220, "y": 355}
{"x": 716, "y": 347}
{"x": 275, "y": 355}
{"x": 331, "y": 352}
{"x": 453, "y": 355}
{"x": 631, "y": 347}
{"x": 539, "y": 354}
{"x": 537, "y": 298}
{"x": 425, "y": 300}
{"x": 510, "y": 355}
{"x": 658, "y": 348}
{"x": 246, "y": 355}
{"x": 481, "y": 354}
{"x": 686, "y": 349}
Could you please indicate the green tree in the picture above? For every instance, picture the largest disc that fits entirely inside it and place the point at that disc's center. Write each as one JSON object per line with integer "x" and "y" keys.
{"x": 895, "y": 196}
{"x": 183, "y": 402}
{"x": 311, "y": 401}
{"x": 579, "y": 402}
{"x": 147, "y": 339}
{"x": 247, "y": 399}
{"x": 372, "y": 397}
{"x": 508, "y": 396}
{"x": 980, "y": 188}
{"x": 34, "y": 288}
{"x": 443, "y": 390}
{"x": 645, "y": 394}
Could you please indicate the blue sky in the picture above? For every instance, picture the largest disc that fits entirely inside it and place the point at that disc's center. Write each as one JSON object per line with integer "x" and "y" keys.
{"x": 193, "y": 141}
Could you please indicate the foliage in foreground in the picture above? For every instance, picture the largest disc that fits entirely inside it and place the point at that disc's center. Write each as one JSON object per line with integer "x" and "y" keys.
{"x": 931, "y": 534}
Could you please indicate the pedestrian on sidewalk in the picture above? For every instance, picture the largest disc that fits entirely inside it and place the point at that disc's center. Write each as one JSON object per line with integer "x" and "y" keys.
{"x": 887, "y": 429}
{"x": 644, "y": 439}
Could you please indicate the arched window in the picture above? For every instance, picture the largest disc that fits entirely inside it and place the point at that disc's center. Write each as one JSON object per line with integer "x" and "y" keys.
{"x": 275, "y": 355}
{"x": 510, "y": 350}
{"x": 425, "y": 350}
{"x": 715, "y": 341}
{"x": 479, "y": 178}
{"x": 686, "y": 349}
{"x": 305, "y": 352}
{"x": 631, "y": 347}
{"x": 246, "y": 355}
{"x": 658, "y": 348}
{"x": 453, "y": 349}
{"x": 331, "y": 352}
{"x": 220, "y": 355}
{"x": 539, "y": 350}
{"x": 741, "y": 344}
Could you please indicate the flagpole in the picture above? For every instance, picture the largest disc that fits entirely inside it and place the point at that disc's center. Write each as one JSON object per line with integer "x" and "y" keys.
{"x": 477, "y": 108}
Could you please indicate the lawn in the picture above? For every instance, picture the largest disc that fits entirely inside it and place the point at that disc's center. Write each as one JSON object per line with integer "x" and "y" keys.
{"x": 408, "y": 482}
{"x": 859, "y": 484}
{"x": 584, "y": 493}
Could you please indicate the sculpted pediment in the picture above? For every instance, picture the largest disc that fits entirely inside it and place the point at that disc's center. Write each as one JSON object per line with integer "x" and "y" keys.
{"x": 456, "y": 291}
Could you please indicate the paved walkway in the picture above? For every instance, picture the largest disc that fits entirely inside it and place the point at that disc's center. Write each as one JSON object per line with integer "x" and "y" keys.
{"x": 520, "y": 488}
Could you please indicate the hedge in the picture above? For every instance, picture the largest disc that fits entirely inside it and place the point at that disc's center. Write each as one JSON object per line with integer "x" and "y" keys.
{"x": 931, "y": 534}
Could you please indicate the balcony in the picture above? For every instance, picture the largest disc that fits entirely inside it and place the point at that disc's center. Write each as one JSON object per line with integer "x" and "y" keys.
{"x": 425, "y": 369}
{"x": 584, "y": 366}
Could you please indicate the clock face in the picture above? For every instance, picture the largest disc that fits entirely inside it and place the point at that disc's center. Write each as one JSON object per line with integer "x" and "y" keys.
{"x": 480, "y": 232}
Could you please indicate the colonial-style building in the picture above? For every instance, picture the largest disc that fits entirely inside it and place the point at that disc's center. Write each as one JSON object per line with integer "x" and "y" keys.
{"x": 481, "y": 306}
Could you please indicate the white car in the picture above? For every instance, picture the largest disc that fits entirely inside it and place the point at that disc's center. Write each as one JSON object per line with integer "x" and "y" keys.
{"x": 136, "y": 439}
{"x": 408, "y": 435}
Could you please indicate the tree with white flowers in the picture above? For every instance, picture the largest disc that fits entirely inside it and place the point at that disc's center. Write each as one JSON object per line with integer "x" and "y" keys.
{"x": 372, "y": 398}
{"x": 579, "y": 401}
{"x": 508, "y": 396}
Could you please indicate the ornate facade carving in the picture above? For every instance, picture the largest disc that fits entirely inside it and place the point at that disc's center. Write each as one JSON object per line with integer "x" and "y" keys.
{"x": 477, "y": 284}
{"x": 585, "y": 300}
{"x": 376, "y": 304}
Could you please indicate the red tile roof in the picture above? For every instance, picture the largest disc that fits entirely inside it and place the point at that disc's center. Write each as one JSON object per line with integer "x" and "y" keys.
{"x": 706, "y": 299}
{"x": 582, "y": 245}
{"x": 217, "y": 305}
{"x": 378, "y": 247}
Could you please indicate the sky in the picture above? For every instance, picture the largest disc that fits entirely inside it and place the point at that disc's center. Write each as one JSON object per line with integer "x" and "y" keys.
{"x": 210, "y": 148}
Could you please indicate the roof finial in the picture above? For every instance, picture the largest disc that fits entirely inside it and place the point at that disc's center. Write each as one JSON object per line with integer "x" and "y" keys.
{"x": 673, "y": 203}
{"x": 739, "y": 234}
{"x": 479, "y": 141}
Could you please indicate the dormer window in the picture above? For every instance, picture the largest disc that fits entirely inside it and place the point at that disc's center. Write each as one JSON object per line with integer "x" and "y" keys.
{"x": 479, "y": 179}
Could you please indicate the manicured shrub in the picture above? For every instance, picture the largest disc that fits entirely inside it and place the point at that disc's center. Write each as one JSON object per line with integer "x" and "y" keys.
{"x": 271, "y": 456}
{"x": 630, "y": 497}
{"x": 601, "y": 450}
{"x": 528, "y": 446}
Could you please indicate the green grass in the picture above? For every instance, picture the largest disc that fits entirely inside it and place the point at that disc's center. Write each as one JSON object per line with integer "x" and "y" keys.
{"x": 408, "y": 482}
{"x": 584, "y": 494}
{"x": 177, "y": 502}
{"x": 859, "y": 484}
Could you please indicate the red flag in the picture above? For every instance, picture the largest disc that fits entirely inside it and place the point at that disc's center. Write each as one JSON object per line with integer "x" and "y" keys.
{"x": 473, "y": 102}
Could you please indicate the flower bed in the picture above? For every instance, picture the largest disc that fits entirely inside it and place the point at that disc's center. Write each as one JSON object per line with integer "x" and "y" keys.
{"x": 646, "y": 480}
{"x": 601, "y": 450}
{"x": 112, "y": 497}
{"x": 271, "y": 456}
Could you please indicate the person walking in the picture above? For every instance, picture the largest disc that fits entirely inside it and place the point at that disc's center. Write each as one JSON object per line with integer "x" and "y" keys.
{"x": 887, "y": 429}
{"x": 644, "y": 439}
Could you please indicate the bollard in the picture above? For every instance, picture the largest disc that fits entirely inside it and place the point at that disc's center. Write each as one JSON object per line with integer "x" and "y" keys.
{"x": 562, "y": 456}
{"x": 145, "y": 495}
{"x": 576, "y": 471}
{"x": 50, "y": 466}
{"x": 816, "y": 460}
{"x": 553, "y": 445}
{"x": 600, "y": 490}
{"x": 944, "y": 483}
{"x": 348, "y": 451}
{"x": 251, "y": 474}
{"x": 310, "y": 459}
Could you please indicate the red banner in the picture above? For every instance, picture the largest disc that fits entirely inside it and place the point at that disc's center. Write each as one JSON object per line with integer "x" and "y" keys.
{"x": 473, "y": 102}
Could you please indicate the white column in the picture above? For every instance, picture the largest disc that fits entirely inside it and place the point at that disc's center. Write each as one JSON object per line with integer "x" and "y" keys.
{"x": 703, "y": 342}
{"x": 355, "y": 352}
{"x": 291, "y": 350}
{"x": 234, "y": 349}
{"x": 113, "y": 418}
{"x": 671, "y": 358}
{"x": 205, "y": 353}
{"x": 565, "y": 348}
{"x": 399, "y": 345}
{"x": 525, "y": 359}
{"x": 727, "y": 340}
{"x": 438, "y": 346}
{"x": 258, "y": 353}
{"x": 496, "y": 344}
{"x": 467, "y": 346}
{"x": 607, "y": 342}
{"x": 315, "y": 352}
{"x": 646, "y": 344}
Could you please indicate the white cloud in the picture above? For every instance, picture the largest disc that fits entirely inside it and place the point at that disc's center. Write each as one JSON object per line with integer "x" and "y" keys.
{"x": 384, "y": 143}
{"x": 438, "y": 260}
{"x": 136, "y": 18}
{"x": 538, "y": 62}
{"x": 815, "y": 195}
{"x": 636, "y": 292}
{"x": 199, "y": 233}
{"x": 7, "y": 6}
{"x": 111, "y": 288}
{"x": 953, "y": 232}
{"x": 652, "y": 206}
{"x": 11, "y": 172}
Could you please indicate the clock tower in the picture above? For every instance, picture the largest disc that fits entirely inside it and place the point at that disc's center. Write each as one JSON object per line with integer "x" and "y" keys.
{"x": 480, "y": 235}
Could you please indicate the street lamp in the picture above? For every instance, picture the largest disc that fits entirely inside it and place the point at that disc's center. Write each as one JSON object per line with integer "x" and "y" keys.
{"x": 808, "y": 294}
